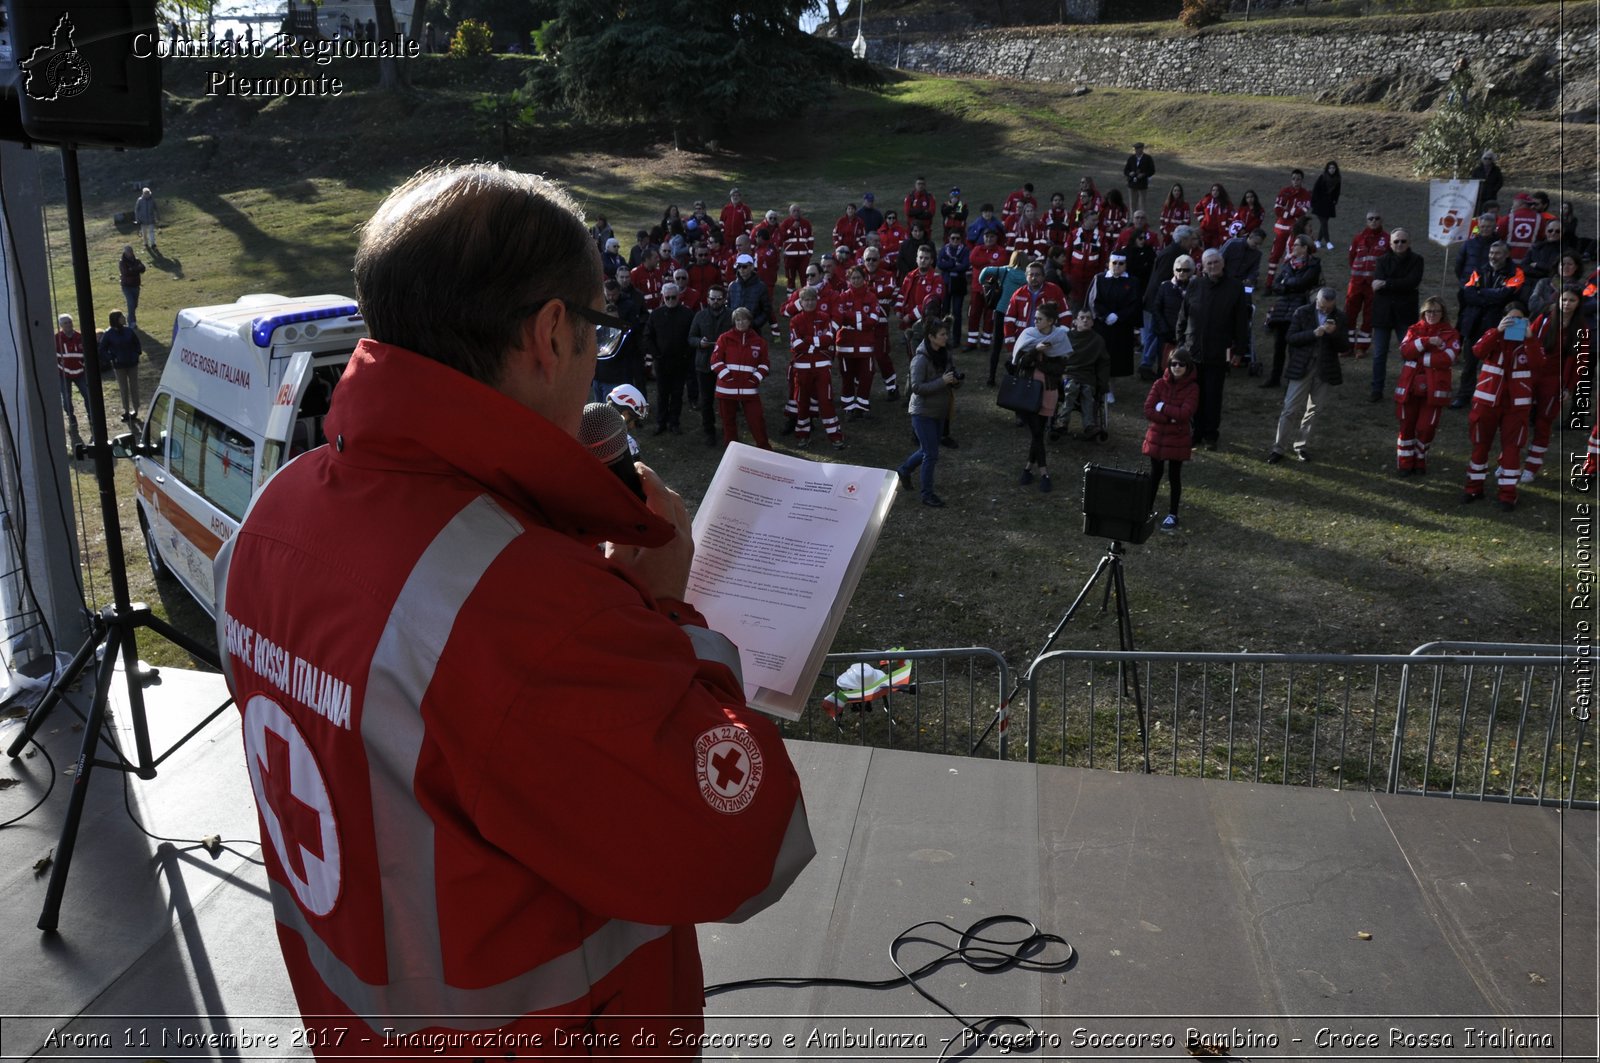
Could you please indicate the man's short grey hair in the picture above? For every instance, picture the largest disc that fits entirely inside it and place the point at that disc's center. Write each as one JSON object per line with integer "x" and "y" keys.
{"x": 1211, "y": 253}
{"x": 1487, "y": 218}
{"x": 669, "y": 289}
{"x": 1182, "y": 233}
{"x": 1501, "y": 244}
{"x": 1328, "y": 294}
{"x": 456, "y": 259}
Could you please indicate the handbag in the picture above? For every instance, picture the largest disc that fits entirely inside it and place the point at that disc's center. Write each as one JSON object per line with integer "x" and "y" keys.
{"x": 1020, "y": 394}
{"x": 991, "y": 292}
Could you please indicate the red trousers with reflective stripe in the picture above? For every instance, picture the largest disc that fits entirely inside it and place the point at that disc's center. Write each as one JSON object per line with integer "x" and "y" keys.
{"x": 728, "y": 408}
{"x": 1511, "y": 423}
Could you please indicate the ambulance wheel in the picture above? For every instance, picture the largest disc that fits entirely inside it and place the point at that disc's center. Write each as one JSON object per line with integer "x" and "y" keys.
{"x": 158, "y": 567}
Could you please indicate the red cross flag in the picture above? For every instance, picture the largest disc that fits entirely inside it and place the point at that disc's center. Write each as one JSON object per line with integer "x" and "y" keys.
{"x": 1450, "y": 210}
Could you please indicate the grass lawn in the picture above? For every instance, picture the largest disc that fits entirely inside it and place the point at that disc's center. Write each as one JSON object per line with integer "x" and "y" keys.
{"x": 1338, "y": 555}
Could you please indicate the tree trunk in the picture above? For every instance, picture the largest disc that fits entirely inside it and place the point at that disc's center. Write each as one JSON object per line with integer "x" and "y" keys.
{"x": 391, "y": 71}
{"x": 836, "y": 17}
{"x": 419, "y": 12}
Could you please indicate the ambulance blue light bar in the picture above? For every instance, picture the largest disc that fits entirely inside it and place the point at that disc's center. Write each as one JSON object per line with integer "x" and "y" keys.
{"x": 262, "y": 328}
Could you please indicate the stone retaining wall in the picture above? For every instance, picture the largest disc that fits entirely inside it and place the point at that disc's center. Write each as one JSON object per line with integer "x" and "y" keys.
{"x": 1552, "y": 70}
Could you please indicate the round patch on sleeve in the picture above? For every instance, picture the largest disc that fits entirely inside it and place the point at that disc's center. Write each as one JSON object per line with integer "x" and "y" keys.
{"x": 729, "y": 765}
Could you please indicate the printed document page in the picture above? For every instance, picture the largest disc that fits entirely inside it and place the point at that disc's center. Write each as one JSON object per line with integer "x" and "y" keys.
{"x": 780, "y": 544}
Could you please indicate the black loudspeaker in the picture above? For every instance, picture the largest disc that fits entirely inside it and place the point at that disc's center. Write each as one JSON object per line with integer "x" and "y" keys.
{"x": 85, "y": 73}
{"x": 1116, "y": 504}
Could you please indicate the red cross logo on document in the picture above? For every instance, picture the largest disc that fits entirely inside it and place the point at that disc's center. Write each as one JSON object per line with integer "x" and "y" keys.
{"x": 729, "y": 765}
{"x": 292, "y": 799}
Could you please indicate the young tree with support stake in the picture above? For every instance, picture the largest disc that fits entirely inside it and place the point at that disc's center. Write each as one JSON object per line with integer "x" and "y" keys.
{"x": 1467, "y": 122}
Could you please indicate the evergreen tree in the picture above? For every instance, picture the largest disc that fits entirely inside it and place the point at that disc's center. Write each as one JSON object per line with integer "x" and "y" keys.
{"x": 711, "y": 68}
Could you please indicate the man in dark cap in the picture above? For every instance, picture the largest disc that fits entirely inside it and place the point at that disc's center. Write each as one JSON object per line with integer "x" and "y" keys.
{"x": 1138, "y": 170}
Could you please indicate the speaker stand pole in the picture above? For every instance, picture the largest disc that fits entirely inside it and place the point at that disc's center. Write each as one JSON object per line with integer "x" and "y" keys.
{"x": 114, "y": 629}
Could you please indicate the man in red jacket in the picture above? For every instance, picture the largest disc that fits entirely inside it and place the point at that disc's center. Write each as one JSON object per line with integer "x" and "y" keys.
{"x": 735, "y": 217}
{"x": 1292, "y": 204}
{"x": 797, "y": 242}
{"x": 1367, "y": 246}
{"x": 1509, "y": 359}
{"x": 500, "y": 772}
{"x": 919, "y": 205}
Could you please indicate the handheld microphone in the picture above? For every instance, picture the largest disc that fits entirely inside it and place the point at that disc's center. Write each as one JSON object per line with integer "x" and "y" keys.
{"x": 604, "y": 433}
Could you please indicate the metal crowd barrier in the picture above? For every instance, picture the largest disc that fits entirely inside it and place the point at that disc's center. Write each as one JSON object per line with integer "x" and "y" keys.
{"x": 1482, "y": 721}
{"x": 948, "y": 702}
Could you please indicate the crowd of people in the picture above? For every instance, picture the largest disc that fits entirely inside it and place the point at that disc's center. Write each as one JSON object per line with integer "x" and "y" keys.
{"x": 1085, "y": 289}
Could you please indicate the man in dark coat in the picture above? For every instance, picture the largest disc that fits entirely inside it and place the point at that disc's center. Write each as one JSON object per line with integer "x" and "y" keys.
{"x": 712, "y": 321}
{"x": 1184, "y": 240}
{"x": 666, "y": 345}
{"x": 1484, "y": 298}
{"x": 1317, "y": 336}
{"x": 748, "y": 291}
{"x": 1214, "y": 323}
{"x": 1487, "y": 174}
{"x": 1395, "y": 280}
{"x": 1138, "y": 170}
{"x": 630, "y": 308}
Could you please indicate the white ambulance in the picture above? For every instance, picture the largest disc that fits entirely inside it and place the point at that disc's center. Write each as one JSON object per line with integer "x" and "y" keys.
{"x": 245, "y": 389}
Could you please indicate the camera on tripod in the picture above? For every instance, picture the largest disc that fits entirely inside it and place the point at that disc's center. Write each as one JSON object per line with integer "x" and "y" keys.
{"x": 1116, "y": 504}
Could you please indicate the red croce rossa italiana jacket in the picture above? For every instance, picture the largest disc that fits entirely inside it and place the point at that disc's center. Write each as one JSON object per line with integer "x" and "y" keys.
{"x": 498, "y": 782}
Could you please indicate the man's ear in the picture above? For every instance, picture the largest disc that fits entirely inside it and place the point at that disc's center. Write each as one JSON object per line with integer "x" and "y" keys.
{"x": 546, "y": 339}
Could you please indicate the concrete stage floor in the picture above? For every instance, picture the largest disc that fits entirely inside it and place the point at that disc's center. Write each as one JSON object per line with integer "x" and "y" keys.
{"x": 1289, "y": 923}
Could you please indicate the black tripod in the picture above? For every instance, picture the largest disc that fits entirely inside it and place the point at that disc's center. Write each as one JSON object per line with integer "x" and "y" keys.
{"x": 112, "y": 630}
{"x": 1110, "y": 563}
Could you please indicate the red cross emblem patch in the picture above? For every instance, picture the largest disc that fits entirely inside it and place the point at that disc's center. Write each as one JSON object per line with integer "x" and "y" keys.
{"x": 293, "y": 801}
{"x": 729, "y": 766}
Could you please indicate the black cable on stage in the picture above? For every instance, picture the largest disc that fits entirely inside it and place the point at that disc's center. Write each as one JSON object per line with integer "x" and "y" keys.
{"x": 973, "y": 949}
{"x": 48, "y": 790}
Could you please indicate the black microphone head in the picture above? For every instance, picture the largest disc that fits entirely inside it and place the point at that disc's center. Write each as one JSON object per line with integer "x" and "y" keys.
{"x": 603, "y": 432}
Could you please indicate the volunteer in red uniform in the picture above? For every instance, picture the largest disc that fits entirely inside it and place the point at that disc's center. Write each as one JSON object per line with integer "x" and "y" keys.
{"x": 980, "y": 318}
{"x": 1087, "y": 201}
{"x": 70, "y": 368}
{"x": 795, "y": 239}
{"x": 648, "y": 277}
{"x": 1028, "y": 234}
{"x": 1292, "y": 204}
{"x": 1113, "y": 214}
{"x": 1174, "y": 212}
{"x": 1214, "y": 213}
{"x": 1508, "y": 360}
{"x": 1426, "y": 354}
{"x": 886, "y": 287}
{"x": 767, "y": 258}
{"x": 1247, "y": 216}
{"x": 1011, "y": 209}
{"x": 1567, "y": 338}
{"x": 703, "y": 271}
{"x": 735, "y": 217}
{"x": 1523, "y": 227}
{"x": 1087, "y": 250}
{"x": 1025, "y": 302}
{"x": 891, "y": 234}
{"x": 435, "y": 665}
{"x": 739, "y": 362}
{"x": 857, "y": 315}
{"x": 850, "y": 231}
{"x": 919, "y": 205}
{"x": 811, "y": 346}
{"x": 921, "y": 285}
{"x": 1057, "y": 223}
{"x": 1366, "y": 247}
